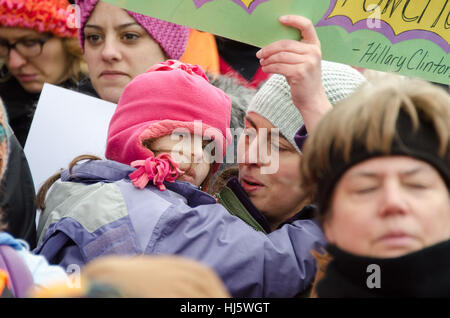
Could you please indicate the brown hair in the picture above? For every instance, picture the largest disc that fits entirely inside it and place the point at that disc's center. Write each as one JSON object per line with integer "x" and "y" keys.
{"x": 3, "y": 225}
{"x": 368, "y": 118}
{"x": 77, "y": 68}
{"x": 42, "y": 193}
{"x": 322, "y": 260}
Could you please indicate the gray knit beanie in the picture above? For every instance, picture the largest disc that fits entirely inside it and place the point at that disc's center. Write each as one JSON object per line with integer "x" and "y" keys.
{"x": 273, "y": 100}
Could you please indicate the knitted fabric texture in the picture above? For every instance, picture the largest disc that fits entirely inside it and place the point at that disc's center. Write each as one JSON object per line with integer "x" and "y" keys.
{"x": 157, "y": 169}
{"x": 4, "y": 145}
{"x": 274, "y": 102}
{"x": 169, "y": 96}
{"x": 52, "y": 16}
{"x": 171, "y": 37}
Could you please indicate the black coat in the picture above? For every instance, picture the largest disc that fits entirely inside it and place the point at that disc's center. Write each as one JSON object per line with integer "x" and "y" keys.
{"x": 17, "y": 195}
{"x": 20, "y": 106}
{"x": 85, "y": 87}
{"x": 17, "y": 190}
{"x": 424, "y": 273}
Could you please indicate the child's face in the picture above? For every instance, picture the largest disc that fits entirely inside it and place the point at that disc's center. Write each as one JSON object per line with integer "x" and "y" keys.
{"x": 188, "y": 151}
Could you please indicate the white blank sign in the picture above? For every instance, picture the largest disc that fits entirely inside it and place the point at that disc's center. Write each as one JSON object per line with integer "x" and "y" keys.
{"x": 66, "y": 124}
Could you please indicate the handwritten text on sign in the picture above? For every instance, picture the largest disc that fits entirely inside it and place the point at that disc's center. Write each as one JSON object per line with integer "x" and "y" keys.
{"x": 398, "y": 20}
{"x": 410, "y": 37}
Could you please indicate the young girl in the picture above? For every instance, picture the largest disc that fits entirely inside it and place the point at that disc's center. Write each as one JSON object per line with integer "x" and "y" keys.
{"x": 168, "y": 126}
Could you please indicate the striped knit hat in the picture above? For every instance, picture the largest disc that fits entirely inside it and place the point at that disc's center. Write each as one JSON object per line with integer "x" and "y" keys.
{"x": 40, "y": 15}
{"x": 273, "y": 101}
{"x": 171, "y": 37}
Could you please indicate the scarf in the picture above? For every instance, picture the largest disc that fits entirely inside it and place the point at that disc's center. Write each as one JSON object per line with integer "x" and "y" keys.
{"x": 424, "y": 273}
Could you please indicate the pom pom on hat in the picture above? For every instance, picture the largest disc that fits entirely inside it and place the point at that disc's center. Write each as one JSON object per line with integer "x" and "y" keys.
{"x": 53, "y": 16}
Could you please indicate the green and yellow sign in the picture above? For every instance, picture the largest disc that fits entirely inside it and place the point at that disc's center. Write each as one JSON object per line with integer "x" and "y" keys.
{"x": 409, "y": 37}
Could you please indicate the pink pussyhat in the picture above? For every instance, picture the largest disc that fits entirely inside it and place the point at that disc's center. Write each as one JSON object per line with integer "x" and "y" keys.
{"x": 171, "y": 37}
{"x": 170, "y": 96}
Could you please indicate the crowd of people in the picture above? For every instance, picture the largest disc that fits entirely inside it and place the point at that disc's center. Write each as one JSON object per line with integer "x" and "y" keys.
{"x": 231, "y": 172}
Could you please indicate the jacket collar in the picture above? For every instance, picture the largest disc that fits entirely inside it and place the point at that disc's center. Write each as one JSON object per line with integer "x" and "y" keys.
{"x": 94, "y": 171}
{"x": 85, "y": 87}
{"x": 109, "y": 171}
{"x": 308, "y": 212}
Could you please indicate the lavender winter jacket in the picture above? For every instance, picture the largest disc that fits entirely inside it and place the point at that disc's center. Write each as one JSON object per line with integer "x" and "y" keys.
{"x": 97, "y": 211}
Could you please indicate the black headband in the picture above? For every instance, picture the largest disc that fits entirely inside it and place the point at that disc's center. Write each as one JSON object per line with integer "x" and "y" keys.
{"x": 423, "y": 144}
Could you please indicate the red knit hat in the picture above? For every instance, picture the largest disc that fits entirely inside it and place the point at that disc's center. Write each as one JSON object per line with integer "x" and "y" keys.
{"x": 170, "y": 95}
{"x": 40, "y": 15}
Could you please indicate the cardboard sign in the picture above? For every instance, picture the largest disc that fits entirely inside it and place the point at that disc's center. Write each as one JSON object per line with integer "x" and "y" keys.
{"x": 66, "y": 124}
{"x": 401, "y": 36}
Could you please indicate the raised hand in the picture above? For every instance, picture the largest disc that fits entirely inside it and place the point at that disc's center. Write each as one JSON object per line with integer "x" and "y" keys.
{"x": 300, "y": 63}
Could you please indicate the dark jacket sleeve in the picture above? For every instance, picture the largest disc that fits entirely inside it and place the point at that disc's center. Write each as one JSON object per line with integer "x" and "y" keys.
{"x": 17, "y": 195}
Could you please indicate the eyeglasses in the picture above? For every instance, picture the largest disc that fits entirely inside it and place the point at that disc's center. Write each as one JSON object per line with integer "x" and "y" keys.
{"x": 25, "y": 47}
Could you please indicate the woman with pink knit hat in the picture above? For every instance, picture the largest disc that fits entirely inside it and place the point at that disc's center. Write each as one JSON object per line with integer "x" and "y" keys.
{"x": 119, "y": 45}
{"x": 146, "y": 198}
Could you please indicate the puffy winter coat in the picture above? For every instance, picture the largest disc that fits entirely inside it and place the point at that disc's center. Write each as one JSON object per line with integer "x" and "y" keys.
{"x": 97, "y": 211}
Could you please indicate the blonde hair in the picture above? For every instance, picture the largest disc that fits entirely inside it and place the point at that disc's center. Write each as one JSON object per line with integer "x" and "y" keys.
{"x": 77, "y": 68}
{"x": 368, "y": 119}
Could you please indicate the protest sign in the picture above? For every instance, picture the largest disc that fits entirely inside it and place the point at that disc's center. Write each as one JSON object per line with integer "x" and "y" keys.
{"x": 66, "y": 124}
{"x": 401, "y": 36}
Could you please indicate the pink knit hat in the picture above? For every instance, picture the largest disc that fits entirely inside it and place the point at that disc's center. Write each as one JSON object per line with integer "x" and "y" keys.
{"x": 171, "y": 37}
{"x": 170, "y": 95}
{"x": 39, "y": 15}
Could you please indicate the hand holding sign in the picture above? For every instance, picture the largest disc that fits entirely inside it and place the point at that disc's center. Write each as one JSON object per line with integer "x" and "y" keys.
{"x": 300, "y": 63}
{"x": 402, "y": 36}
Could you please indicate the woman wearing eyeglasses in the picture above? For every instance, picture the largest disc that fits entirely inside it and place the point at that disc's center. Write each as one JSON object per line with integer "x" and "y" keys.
{"x": 37, "y": 46}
